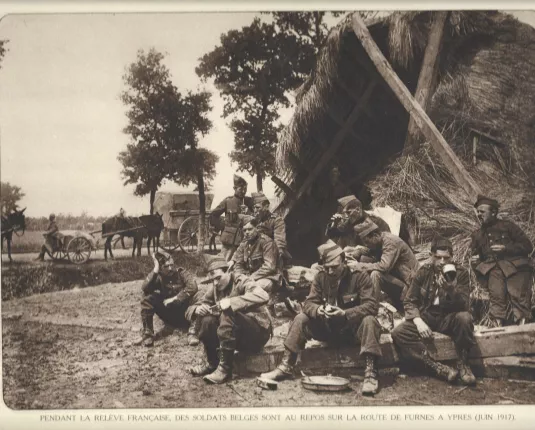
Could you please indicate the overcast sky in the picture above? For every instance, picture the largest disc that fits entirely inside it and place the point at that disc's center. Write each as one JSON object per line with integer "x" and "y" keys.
{"x": 60, "y": 116}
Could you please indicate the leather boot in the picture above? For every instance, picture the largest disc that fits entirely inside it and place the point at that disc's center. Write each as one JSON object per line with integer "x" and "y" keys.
{"x": 370, "y": 384}
{"x": 223, "y": 373}
{"x": 442, "y": 371}
{"x": 193, "y": 340}
{"x": 147, "y": 334}
{"x": 212, "y": 360}
{"x": 285, "y": 369}
{"x": 465, "y": 373}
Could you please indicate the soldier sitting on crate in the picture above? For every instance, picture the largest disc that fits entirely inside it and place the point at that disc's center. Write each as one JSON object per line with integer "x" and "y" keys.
{"x": 167, "y": 292}
{"x": 51, "y": 238}
{"x": 271, "y": 225}
{"x": 234, "y": 207}
{"x": 438, "y": 300}
{"x": 500, "y": 254}
{"x": 341, "y": 309}
{"x": 231, "y": 316}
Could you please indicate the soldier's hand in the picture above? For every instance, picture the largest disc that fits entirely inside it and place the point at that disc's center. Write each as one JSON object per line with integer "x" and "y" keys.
{"x": 170, "y": 300}
{"x": 224, "y": 304}
{"x": 335, "y": 311}
{"x": 497, "y": 248}
{"x": 202, "y": 310}
{"x": 423, "y": 328}
{"x": 355, "y": 266}
{"x": 321, "y": 311}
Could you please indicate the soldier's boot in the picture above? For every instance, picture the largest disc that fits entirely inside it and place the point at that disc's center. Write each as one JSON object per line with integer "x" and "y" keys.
{"x": 371, "y": 383}
{"x": 165, "y": 331}
{"x": 147, "y": 333}
{"x": 440, "y": 370}
{"x": 193, "y": 340}
{"x": 223, "y": 373}
{"x": 41, "y": 256}
{"x": 465, "y": 373}
{"x": 285, "y": 370}
{"x": 209, "y": 366}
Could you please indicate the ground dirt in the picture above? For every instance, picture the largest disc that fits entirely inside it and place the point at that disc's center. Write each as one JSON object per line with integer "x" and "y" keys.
{"x": 73, "y": 349}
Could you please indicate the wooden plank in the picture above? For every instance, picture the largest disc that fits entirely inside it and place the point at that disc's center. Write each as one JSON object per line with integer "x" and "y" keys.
{"x": 448, "y": 157}
{"x": 279, "y": 183}
{"x": 427, "y": 75}
{"x": 510, "y": 367}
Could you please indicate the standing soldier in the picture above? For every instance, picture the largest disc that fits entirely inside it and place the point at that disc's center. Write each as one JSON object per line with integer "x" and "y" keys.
{"x": 231, "y": 316}
{"x": 234, "y": 207}
{"x": 438, "y": 300}
{"x": 340, "y": 309}
{"x": 51, "y": 238}
{"x": 500, "y": 254}
{"x": 271, "y": 225}
{"x": 167, "y": 292}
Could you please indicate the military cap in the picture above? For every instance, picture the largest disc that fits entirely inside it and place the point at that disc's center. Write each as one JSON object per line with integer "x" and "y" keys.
{"x": 343, "y": 201}
{"x": 482, "y": 200}
{"x": 52, "y": 216}
{"x": 217, "y": 263}
{"x": 440, "y": 242}
{"x": 364, "y": 228}
{"x": 259, "y": 198}
{"x": 239, "y": 181}
{"x": 329, "y": 251}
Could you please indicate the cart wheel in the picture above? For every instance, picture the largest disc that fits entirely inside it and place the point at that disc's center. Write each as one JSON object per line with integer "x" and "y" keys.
{"x": 170, "y": 240}
{"x": 188, "y": 234}
{"x": 59, "y": 255}
{"x": 79, "y": 250}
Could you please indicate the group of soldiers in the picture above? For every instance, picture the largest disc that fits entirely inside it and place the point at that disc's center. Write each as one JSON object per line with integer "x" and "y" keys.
{"x": 360, "y": 265}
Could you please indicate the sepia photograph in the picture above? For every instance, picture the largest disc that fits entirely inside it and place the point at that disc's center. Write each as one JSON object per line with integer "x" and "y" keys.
{"x": 276, "y": 209}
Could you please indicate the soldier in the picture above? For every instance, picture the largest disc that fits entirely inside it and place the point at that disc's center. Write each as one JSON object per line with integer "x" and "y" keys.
{"x": 271, "y": 225}
{"x": 234, "y": 208}
{"x": 500, "y": 254}
{"x": 167, "y": 292}
{"x": 438, "y": 300}
{"x": 340, "y": 309}
{"x": 257, "y": 257}
{"x": 51, "y": 238}
{"x": 232, "y": 316}
{"x": 393, "y": 273}
{"x": 342, "y": 226}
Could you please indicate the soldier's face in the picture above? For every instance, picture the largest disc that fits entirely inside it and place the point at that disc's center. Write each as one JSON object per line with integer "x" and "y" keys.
{"x": 440, "y": 258}
{"x": 485, "y": 214}
{"x": 335, "y": 267}
{"x": 261, "y": 208}
{"x": 167, "y": 267}
{"x": 240, "y": 191}
{"x": 249, "y": 231}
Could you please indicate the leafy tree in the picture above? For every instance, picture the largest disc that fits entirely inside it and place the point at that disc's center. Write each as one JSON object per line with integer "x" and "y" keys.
{"x": 10, "y": 195}
{"x": 3, "y": 50}
{"x": 162, "y": 124}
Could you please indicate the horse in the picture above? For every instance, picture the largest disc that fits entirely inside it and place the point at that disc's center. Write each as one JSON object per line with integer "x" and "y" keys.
{"x": 13, "y": 222}
{"x": 124, "y": 227}
{"x": 154, "y": 226}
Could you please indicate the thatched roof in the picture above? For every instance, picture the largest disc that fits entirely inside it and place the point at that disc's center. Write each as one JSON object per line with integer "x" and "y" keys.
{"x": 486, "y": 83}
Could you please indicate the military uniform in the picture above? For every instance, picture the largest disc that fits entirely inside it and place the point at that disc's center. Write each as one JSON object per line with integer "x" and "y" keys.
{"x": 443, "y": 311}
{"x": 508, "y": 273}
{"x": 273, "y": 226}
{"x": 52, "y": 236}
{"x": 259, "y": 260}
{"x": 346, "y": 234}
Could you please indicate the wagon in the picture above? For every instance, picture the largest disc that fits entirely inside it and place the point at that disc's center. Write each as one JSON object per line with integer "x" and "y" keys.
{"x": 180, "y": 215}
{"x": 76, "y": 246}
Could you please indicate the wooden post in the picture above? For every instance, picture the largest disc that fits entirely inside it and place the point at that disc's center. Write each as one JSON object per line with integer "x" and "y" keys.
{"x": 448, "y": 157}
{"x": 427, "y": 74}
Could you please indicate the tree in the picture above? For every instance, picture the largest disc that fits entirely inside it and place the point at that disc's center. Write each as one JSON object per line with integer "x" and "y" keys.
{"x": 162, "y": 124}
{"x": 10, "y": 195}
{"x": 252, "y": 68}
{"x": 3, "y": 50}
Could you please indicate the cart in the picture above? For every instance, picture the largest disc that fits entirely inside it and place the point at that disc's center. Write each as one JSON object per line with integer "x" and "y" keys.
{"x": 180, "y": 215}
{"x": 76, "y": 246}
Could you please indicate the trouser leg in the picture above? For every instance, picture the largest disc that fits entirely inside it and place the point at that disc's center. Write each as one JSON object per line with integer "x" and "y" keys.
{"x": 497, "y": 294}
{"x": 302, "y": 329}
{"x": 368, "y": 335}
{"x": 460, "y": 327}
{"x": 390, "y": 285}
{"x": 408, "y": 341}
{"x": 519, "y": 290}
{"x": 238, "y": 331}
{"x": 173, "y": 314}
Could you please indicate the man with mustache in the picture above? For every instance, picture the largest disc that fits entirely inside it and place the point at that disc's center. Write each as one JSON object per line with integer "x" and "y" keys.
{"x": 340, "y": 309}
{"x": 500, "y": 254}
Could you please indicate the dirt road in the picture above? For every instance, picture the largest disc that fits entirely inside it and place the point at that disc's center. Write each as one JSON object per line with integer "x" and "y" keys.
{"x": 73, "y": 349}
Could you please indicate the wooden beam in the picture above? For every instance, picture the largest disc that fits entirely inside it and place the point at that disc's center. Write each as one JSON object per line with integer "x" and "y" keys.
{"x": 343, "y": 86}
{"x": 448, "y": 157}
{"x": 279, "y": 183}
{"x": 427, "y": 75}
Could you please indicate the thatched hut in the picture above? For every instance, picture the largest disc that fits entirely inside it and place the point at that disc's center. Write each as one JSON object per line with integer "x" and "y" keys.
{"x": 347, "y": 116}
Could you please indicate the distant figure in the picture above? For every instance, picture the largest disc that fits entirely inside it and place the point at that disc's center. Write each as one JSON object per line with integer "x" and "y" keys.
{"x": 122, "y": 213}
{"x": 51, "y": 238}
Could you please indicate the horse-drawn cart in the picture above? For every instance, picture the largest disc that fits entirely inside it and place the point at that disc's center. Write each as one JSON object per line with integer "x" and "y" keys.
{"x": 180, "y": 215}
{"x": 74, "y": 245}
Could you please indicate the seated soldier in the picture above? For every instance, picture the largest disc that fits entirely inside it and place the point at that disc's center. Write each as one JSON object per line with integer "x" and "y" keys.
{"x": 340, "y": 309}
{"x": 240, "y": 321}
{"x": 438, "y": 300}
{"x": 257, "y": 257}
{"x": 271, "y": 225}
{"x": 393, "y": 273}
{"x": 167, "y": 292}
{"x": 500, "y": 254}
{"x": 51, "y": 239}
{"x": 350, "y": 213}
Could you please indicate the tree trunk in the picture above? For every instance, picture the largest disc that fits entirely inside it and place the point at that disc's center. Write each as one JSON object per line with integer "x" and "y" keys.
{"x": 426, "y": 80}
{"x": 202, "y": 212}
{"x": 152, "y": 197}
{"x": 259, "y": 181}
